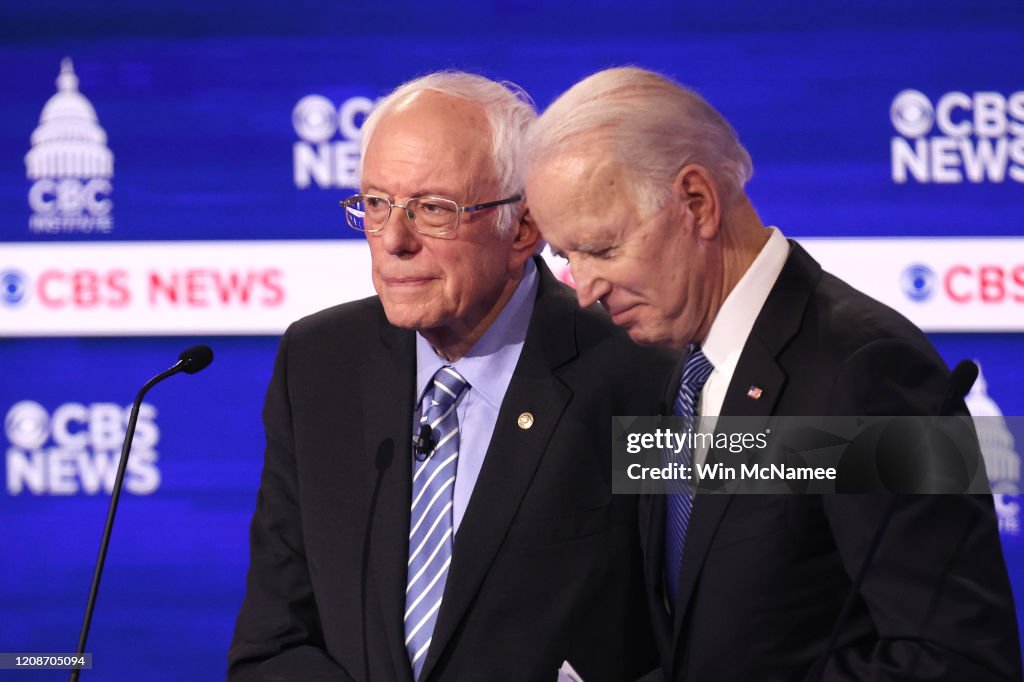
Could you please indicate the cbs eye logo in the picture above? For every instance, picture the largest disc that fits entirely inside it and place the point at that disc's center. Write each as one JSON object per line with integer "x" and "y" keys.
{"x": 13, "y": 287}
{"x": 918, "y": 282}
{"x": 912, "y": 114}
{"x": 27, "y": 425}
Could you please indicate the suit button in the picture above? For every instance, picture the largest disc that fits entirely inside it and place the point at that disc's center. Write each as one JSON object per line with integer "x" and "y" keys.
{"x": 525, "y": 420}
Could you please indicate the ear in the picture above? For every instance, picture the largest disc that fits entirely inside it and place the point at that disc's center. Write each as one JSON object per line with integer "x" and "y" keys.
{"x": 696, "y": 192}
{"x": 525, "y": 241}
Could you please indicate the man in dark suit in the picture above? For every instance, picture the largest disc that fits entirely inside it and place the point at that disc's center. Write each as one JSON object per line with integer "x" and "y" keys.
{"x": 436, "y": 500}
{"x": 639, "y": 183}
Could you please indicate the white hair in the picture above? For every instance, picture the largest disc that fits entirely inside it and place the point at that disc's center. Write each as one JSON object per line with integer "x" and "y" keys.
{"x": 509, "y": 111}
{"x": 650, "y": 124}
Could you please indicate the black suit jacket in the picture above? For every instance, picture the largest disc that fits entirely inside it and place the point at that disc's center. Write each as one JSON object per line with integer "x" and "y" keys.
{"x": 546, "y": 563}
{"x": 763, "y": 577}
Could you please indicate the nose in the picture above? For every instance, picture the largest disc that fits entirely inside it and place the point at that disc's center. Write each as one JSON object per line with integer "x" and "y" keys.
{"x": 398, "y": 236}
{"x": 590, "y": 286}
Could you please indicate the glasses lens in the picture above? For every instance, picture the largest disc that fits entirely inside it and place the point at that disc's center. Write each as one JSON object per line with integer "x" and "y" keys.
{"x": 376, "y": 211}
{"x": 355, "y": 212}
{"x": 434, "y": 216}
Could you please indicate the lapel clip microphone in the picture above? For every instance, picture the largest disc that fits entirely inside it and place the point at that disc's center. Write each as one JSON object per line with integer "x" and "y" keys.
{"x": 423, "y": 444}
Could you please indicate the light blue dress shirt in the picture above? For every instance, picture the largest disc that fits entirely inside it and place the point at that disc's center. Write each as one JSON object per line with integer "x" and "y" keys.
{"x": 488, "y": 368}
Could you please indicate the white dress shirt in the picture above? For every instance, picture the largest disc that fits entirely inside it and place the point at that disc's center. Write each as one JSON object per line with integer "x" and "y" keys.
{"x": 731, "y": 328}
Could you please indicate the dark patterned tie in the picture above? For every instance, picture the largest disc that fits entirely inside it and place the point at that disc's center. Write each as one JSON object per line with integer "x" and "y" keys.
{"x": 680, "y": 492}
{"x": 431, "y": 528}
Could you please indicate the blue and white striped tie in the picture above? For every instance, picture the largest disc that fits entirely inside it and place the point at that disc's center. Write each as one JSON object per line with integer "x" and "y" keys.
{"x": 696, "y": 371}
{"x": 431, "y": 529}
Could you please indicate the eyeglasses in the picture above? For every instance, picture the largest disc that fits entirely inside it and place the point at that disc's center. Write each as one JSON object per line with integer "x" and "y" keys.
{"x": 431, "y": 216}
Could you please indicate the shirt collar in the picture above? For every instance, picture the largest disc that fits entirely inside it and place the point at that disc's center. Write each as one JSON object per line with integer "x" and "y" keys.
{"x": 489, "y": 364}
{"x": 732, "y": 325}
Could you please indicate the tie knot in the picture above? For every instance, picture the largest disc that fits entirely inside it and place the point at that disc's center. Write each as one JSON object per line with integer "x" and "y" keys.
{"x": 696, "y": 370}
{"x": 446, "y": 386}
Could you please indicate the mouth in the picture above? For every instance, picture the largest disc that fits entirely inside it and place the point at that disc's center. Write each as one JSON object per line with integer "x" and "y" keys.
{"x": 620, "y": 316}
{"x": 406, "y": 281}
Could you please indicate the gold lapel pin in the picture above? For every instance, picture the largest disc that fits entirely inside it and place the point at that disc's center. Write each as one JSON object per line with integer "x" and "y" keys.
{"x": 525, "y": 420}
{"x": 754, "y": 392}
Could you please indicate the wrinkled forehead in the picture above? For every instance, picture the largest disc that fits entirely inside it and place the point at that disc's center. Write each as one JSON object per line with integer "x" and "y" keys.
{"x": 580, "y": 201}
{"x": 589, "y": 185}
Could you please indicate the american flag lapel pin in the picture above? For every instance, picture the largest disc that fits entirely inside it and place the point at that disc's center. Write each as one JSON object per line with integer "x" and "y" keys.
{"x": 754, "y": 392}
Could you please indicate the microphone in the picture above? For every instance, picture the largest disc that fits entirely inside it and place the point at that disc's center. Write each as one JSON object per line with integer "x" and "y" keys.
{"x": 961, "y": 379}
{"x": 190, "y": 361}
{"x": 423, "y": 444}
{"x": 195, "y": 359}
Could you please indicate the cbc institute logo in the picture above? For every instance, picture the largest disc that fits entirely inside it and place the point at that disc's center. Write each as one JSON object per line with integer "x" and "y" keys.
{"x": 70, "y": 165}
{"x": 976, "y": 137}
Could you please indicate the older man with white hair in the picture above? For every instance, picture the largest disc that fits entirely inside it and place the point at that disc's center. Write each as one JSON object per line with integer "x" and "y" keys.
{"x": 639, "y": 183}
{"x": 436, "y": 495}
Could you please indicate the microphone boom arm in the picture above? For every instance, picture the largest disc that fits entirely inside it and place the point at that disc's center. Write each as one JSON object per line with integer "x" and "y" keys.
{"x": 191, "y": 361}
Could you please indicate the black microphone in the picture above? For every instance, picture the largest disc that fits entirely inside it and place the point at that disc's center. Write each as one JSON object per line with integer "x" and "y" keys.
{"x": 961, "y": 379}
{"x": 195, "y": 359}
{"x": 423, "y": 444}
{"x": 191, "y": 361}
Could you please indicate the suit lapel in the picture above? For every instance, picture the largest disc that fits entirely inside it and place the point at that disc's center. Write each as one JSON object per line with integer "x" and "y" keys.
{"x": 758, "y": 368}
{"x": 512, "y": 457}
{"x": 388, "y": 423}
{"x": 651, "y": 520}
{"x": 651, "y": 513}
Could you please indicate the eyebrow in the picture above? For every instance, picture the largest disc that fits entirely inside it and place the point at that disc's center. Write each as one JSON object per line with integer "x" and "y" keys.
{"x": 595, "y": 245}
{"x": 444, "y": 194}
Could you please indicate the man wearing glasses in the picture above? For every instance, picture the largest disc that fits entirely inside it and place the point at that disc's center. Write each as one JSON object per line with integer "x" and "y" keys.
{"x": 436, "y": 500}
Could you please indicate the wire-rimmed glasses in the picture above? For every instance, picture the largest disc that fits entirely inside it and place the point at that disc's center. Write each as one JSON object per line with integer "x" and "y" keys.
{"x": 433, "y": 216}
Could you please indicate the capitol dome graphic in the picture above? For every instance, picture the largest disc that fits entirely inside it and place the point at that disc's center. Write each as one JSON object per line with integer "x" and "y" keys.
{"x": 1002, "y": 462}
{"x": 69, "y": 142}
{"x": 70, "y": 164}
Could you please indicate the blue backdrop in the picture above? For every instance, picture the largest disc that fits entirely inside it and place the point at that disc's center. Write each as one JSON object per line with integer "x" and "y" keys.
{"x": 199, "y": 107}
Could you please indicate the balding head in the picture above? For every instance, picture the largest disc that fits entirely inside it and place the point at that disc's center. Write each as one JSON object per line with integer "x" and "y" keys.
{"x": 508, "y": 110}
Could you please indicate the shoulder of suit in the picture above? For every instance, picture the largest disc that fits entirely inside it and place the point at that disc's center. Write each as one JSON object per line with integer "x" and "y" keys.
{"x": 354, "y": 318}
{"x": 857, "y": 316}
{"x": 846, "y": 322}
{"x": 834, "y": 320}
